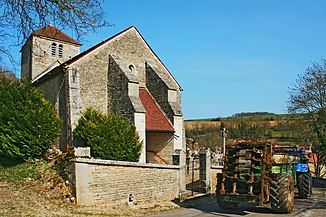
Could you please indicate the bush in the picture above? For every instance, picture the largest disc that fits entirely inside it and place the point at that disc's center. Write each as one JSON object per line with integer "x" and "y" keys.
{"x": 28, "y": 123}
{"x": 110, "y": 136}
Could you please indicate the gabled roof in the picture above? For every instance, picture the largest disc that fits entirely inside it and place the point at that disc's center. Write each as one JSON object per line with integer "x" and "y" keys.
{"x": 154, "y": 117}
{"x": 81, "y": 55}
{"x": 54, "y": 33}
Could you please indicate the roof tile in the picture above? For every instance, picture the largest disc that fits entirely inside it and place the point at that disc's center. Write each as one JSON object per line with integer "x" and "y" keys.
{"x": 54, "y": 33}
{"x": 155, "y": 119}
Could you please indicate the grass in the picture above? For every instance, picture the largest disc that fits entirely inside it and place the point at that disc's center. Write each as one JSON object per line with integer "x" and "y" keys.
{"x": 36, "y": 189}
{"x": 17, "y": 171}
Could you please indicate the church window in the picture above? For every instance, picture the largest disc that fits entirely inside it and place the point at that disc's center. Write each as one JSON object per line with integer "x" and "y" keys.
{"x": 53, "y": 49}
{"x": 60, "y": 50}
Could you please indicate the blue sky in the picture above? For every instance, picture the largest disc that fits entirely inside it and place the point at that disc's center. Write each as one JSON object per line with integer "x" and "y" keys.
{"x": 229, "y": 56}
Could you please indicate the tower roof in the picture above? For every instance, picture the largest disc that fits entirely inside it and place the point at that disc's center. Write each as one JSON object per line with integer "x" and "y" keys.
{"x": 54, "y": 33}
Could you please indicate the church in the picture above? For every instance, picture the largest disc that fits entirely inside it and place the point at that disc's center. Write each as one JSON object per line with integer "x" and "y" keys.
{"x": 121, "y": 74}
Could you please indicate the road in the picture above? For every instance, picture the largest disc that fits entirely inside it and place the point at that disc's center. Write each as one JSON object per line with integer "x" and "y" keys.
{"x": 313, "y": 207}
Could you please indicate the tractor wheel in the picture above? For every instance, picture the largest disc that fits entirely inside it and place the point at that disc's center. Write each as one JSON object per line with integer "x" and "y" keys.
{"x": 228, "y": 205}
{"x": 282, "y": 194}
{"x": 304, "y": 185}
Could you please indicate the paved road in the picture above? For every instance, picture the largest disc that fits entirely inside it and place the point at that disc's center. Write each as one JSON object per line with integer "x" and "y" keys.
{"x": 313, "y": 207}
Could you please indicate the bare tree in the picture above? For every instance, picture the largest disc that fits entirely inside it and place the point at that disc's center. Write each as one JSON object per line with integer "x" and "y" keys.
{"x": 7, "y": 74}
{"x": 308, "y": 96}
{"x": 19, "y": 18}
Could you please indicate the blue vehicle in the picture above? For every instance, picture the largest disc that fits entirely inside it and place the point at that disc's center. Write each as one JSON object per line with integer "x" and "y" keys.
{"x": 303, "y": 178}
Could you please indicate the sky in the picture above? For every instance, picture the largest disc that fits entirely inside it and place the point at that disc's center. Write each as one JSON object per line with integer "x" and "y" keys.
{"x": 229, "y": 56}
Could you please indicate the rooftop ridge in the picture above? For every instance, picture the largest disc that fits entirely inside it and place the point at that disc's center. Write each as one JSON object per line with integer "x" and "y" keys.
{"x": 50, "y": 31}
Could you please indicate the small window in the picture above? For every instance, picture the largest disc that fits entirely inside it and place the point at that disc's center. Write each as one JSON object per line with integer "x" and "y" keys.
{"x": 53, "y": 49}
{"x": 60, "y": 51}
{"x": 131, "y": 67}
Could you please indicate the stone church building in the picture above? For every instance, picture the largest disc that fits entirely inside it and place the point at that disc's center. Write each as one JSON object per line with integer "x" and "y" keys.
{"x": 121, "y": 75}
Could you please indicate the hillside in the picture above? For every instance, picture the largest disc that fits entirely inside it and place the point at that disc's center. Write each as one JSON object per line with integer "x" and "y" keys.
{"x": 36, "y": 189}
{"x": 277, "y": 128}
{"x": 253, "y": 116}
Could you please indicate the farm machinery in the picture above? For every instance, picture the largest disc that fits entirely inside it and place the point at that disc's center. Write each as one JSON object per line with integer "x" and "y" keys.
{"x": 303, "y": 179}
{"x": 255, "y": 172}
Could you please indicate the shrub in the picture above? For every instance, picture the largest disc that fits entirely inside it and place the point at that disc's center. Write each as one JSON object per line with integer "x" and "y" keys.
{"x": 110, "y": 136}
{"x": 28, "y": 123}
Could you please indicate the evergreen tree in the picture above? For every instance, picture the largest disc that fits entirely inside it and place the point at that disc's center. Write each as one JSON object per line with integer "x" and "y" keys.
{"x": 110, "y": 136}
{"x": 28, "y": 123}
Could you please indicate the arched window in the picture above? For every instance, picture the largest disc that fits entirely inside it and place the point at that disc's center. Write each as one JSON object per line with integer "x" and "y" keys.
{"x": 60, "y": 50}
{"x": 53, "y": 49}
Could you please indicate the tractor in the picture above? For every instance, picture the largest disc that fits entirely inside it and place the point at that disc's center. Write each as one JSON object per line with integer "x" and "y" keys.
{"x": 303, "y": 179}
{"x": 253, "y": 173}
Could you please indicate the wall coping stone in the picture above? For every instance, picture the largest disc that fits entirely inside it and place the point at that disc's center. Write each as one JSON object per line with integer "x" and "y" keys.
{"x": 216, "y": 167}
{"x": 124, "y": 163}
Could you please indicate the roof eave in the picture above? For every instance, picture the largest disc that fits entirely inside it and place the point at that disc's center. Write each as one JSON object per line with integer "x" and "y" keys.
{"x": 48, "y": 37}
{"x": 160, "y": 131}
{"x": 48, "y": 75}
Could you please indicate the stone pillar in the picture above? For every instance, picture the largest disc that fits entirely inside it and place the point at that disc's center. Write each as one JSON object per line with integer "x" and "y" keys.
{"x": 178, "y": 157}
{"x": 205, "y": 170}
{"x": 74, "y": 94}
{"x": 183, "y": 167}
{"x": 83, "y": 179}
{"x": 140, "y": 127}
{"x": 179, "y": 136}
{"x": 74, "y": 105}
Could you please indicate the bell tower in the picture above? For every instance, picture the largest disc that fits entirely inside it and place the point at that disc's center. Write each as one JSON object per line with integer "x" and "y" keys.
{"x": 44, "y": 50}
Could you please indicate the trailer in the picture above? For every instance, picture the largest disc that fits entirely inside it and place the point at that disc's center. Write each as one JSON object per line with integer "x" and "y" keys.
{"x": 252, "y": 173}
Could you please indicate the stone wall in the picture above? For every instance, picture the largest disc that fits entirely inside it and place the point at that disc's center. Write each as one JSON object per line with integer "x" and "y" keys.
{"x": 159, "y": 147}
{"x": 40, "y": 59}
{"x": 93, "y": 81}
{"x": 113, "y": 182}
{"x": 55, "y": 91}
{"x": 26, "y": 60}
{"x": 159, "y": 90}
{"x": 124, "y": 56}
{"x": 118, "y": 99}
{"x": 214, "y": 171}
{"x": 208, "y": 173}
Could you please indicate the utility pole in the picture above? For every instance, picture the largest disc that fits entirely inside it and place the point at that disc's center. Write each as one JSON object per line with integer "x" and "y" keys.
{"x": 223, "y": 132}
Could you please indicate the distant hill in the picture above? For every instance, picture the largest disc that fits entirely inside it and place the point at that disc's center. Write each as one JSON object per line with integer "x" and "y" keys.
{"x": 279, "y": 128}
{"x": 252, "y": 116}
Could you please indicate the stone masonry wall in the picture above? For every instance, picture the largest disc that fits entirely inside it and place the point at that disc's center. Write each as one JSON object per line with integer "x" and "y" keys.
{"x": 95, "y": 68}
{"x": 118, "y": 99}
{"x": 54, "y": 90}
{"x": 41, "y": 55}
{"x": 214, "y": 171}
{"x": 162, "y": 145}
{"x": 113, "y": 182}
{"x": 159, "y": 91}
{"x": 26, "y": 60}
{"x": 93, "y": 80}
